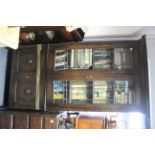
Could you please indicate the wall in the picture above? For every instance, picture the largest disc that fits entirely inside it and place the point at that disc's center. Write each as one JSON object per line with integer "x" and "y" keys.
{"x": 3, "y": 62}
{"x": 150, "y": 41}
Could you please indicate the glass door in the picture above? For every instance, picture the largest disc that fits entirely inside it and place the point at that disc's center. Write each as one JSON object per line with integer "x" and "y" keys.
{"x": 94, "y": 59}
{"x": 94, "y": 92}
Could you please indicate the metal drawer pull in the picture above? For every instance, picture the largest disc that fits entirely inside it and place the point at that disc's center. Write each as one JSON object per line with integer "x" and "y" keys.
{"x": 28, "y": 91}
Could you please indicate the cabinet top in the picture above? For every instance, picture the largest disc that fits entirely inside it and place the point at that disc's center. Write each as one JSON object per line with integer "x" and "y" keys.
{"x": 49, "y": 34}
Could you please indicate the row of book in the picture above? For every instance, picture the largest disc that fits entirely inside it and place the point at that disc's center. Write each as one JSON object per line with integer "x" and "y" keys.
{"x": 96, "y": 92}
{"x": 116, "y": 58}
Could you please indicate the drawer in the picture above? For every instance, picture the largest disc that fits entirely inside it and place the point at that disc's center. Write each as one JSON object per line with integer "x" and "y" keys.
{"x": 27, "y": 60}
{"x": 36, "y": 122}
{"x": 6, "y": 121}
{"x": 26, "y": 92}
{"x": 20, "y": 121}
{"x": 23, "y": 94}
{"x": 49, "y": 122}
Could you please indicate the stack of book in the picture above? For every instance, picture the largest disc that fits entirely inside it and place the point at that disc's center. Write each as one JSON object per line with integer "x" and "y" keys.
{"x": 103, "y": 92}
{"x": 102, "y": 58}
{"x": 121, "y": 92}
{"x": 58, "y": 90}
{"x": 60, "y": 60}
{"x": 79, "y": 92}
{"x": 81, "y": 58}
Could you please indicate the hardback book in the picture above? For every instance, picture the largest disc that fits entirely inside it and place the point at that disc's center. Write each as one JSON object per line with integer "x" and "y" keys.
{"x": 81, "y": 58}
{"x": 60, "y": 60}
{"x": 102, "y": 58}
{"x": 103, "y": 92}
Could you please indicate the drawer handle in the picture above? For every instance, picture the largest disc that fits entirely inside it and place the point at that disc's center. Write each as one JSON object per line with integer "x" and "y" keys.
{"x": 30, "y": 61}
{"x": 28, "y": 91}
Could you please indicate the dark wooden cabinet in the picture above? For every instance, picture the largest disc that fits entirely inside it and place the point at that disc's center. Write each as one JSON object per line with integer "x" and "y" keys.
{"x": 112, "y": 77}
{"x": 118, "y": 64}
{"x": 27, "y": 77}
{"x": 13, "y": 119}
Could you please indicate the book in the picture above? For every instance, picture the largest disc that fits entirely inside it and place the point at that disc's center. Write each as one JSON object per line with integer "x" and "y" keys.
{"x": 102, "y": 58}
{"x": 58, "y": 96}
{"x": 60, "y": 60}
{"x": 103, "y": 92}
{"x": 81, "y": 58}
{"x": 121, "y": 92}
{"x": 78, "y": 90}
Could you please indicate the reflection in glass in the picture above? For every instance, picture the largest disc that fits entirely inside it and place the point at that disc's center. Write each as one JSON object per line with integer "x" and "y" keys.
{"x": 123, "y": 92}
{"x": 95, "y": 92}
{"x": 103, "y": 92}
{"x": 81, "y": 92}
{"x": 102, "y": 58}
{"x": 122, "y": 120}
{"x": 123, "y": 58}
{"x": 111, "y": 120}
